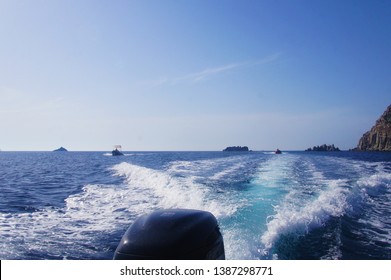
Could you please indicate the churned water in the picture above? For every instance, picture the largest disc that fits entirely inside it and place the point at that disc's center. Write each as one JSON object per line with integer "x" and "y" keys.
{"x": 297, "y": 205}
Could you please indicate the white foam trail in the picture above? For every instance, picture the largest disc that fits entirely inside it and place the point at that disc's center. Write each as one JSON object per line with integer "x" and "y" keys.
{"x": 177, "y": 188}
{"x": 215, "y": 169}
{"x": 162, "y": 190}
{"x": 102, "y": 209}
{"x": 310, "y": 199}
{"x": 376, "y": 221}
{"x": 299, "y": 214}
{"x": 236, "y": 247}
{"x": 300, "y": 217}
{"x": 66, "y": 232}
{"x": 381, "y": 179}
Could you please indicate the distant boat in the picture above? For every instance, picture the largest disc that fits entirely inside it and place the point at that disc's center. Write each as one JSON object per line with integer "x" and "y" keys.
{"x": 117, "y": 151}
{"x": 277, "y": 152}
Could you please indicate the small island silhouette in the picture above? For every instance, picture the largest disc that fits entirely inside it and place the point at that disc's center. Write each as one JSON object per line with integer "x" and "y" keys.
{"x": 323, "y": 148}
{"x": 236, "y": 149}
{"x": 61, "y": 149}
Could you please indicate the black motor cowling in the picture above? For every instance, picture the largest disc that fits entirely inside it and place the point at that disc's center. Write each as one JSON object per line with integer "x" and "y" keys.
{"x": 172, "y": 235}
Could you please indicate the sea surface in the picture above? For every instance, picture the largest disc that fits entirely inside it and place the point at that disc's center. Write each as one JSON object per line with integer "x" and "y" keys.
{"x": 297, "y": 205}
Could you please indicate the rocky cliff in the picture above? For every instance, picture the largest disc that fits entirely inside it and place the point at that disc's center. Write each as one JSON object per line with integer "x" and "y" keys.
{"x": 379, "y": 137}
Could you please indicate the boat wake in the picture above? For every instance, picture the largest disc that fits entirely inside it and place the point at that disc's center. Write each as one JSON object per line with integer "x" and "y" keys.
{"x": 267, "y": 206}
{"x": 313, "y": 202}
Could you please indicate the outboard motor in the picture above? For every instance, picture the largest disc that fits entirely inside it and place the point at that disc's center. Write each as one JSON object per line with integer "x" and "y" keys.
{"x": 172, "y": 234}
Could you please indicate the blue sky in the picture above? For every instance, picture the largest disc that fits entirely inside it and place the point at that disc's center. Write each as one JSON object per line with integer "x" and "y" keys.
{"x": 191, "y": 75}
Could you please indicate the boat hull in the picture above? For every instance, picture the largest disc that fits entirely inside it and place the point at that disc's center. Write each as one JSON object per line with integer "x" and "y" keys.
{"x": 117, "y": 153}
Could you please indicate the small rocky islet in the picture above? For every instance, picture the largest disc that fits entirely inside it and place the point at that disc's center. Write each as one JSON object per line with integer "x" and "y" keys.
{"x": 236, "y": 149}
{"x": 61, "y": 149}
{"x": 323, "y": 148}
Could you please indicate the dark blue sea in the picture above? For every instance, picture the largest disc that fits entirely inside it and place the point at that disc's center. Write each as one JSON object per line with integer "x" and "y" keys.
{"x": 297, "y": 205}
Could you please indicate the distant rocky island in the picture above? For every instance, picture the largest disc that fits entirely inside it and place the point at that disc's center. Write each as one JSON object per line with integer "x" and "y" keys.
{"x": 61, "y": 149}
{"x": 379, "y": 137}
{"x": 236, "y": 149}
{"x": 323, "y": 148}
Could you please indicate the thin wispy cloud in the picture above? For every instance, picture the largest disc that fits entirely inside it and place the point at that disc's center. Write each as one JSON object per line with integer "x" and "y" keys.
{"x": 209, "y": 73}
{"x": 204, "y": 74}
